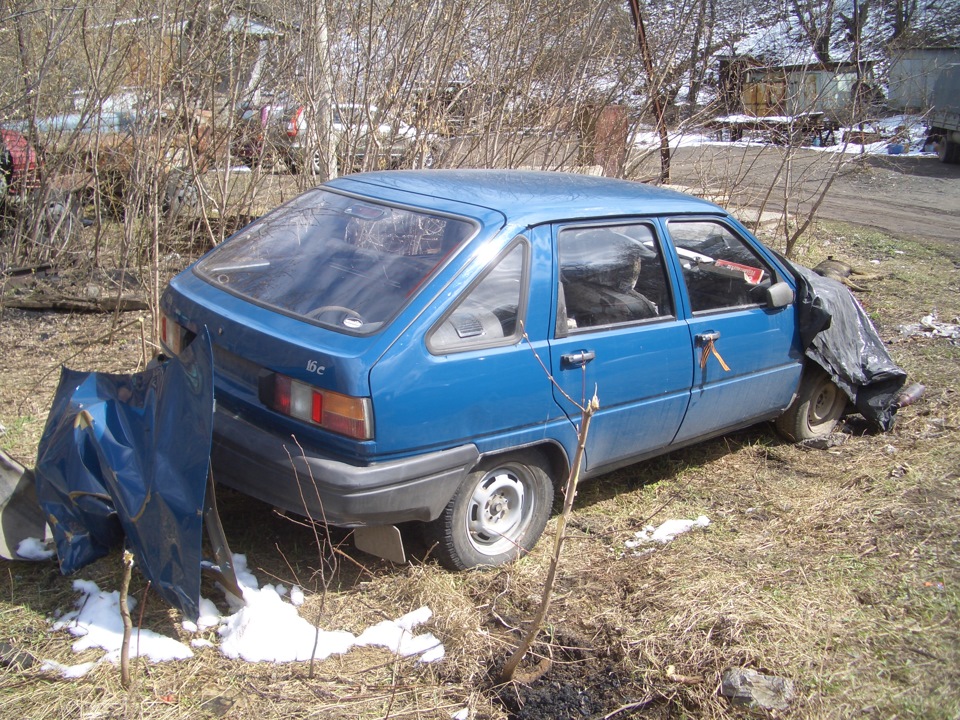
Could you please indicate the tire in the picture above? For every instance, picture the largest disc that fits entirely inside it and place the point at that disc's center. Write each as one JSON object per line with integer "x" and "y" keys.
{"x": 180, "y": 196}
{"x": 943, "y": 150}
{"x": 306, "y": 168}
{"x": 6, "y": 172}
{"x": 254, "y": 162}
{"x": 817, "y": 408}
{"x": 56, "y": 217}
{"x": 315, "y": 163}
{"x": 497, "y": 514}
{"x": 947, "y": 151}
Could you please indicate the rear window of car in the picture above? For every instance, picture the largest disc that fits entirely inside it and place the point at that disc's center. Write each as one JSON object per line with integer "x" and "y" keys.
{"x": 335, "y": 260}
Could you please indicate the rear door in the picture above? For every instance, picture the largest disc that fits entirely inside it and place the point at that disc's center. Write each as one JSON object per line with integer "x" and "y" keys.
{"x": 746, "y": 357}
{"x": 618, "y": 333}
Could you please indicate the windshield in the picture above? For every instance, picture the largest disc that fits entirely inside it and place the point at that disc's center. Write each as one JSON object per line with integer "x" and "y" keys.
{"x": 337, "y": 261}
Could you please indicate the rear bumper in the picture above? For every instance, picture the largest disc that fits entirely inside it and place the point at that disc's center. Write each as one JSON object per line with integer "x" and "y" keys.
{"x": 264, "y": 466}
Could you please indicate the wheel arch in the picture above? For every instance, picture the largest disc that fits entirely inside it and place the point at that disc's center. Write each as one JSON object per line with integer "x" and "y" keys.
{"x": 794, "y": 422}
{"x": 554, "y": 456}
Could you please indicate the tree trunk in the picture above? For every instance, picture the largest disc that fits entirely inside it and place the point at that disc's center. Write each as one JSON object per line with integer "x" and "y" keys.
{"x": 654, "y": 91}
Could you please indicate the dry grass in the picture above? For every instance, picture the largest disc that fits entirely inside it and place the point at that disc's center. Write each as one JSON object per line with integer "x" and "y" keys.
{"x": 839, "y": 569}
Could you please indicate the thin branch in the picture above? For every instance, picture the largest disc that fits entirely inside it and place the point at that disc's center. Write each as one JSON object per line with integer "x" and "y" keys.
{"x": 510, "y": 666}
{"x": 127, "y": 624}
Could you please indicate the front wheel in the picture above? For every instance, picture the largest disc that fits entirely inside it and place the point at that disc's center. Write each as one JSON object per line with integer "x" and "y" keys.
{"x": 497, "y": 514}
{"x": 816, "y": 409}
{"x": 179, "y": 197}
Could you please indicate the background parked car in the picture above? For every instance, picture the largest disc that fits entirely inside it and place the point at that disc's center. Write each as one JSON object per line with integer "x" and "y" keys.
{"x": 282, "y": 130}
{"x": 101, "y": 152}
{"x": 44, "y": 212}
{"x": 19, "y": 164}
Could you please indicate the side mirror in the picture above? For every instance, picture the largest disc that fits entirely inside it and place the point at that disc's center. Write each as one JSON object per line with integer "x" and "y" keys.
{"x": 779, "y": 295}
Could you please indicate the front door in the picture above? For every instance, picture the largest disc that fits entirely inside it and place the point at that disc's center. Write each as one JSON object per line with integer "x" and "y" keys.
{"x": 746, "y": 357}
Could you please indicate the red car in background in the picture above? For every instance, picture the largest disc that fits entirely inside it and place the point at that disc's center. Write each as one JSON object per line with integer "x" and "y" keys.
{"x": 19, "y": 164}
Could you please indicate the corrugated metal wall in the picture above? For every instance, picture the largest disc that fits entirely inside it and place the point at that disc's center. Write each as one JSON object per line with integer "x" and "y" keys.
{"x": 913, "y": 74}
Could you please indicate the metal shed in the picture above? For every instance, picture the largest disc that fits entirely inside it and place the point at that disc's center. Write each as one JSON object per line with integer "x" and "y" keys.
{"x": 913, "y": 74}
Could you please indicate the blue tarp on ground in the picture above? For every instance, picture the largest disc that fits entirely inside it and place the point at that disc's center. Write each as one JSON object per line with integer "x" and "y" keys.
{"x": 128, "y": 455}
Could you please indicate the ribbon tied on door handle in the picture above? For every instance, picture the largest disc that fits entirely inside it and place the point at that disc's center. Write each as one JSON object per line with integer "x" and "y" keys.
{"x": 708, "y": 341}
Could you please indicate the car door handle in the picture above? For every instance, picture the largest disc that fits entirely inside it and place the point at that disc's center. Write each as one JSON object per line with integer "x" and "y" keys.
{"x": 707, "y": 341}
{"x": 577, "y": 359}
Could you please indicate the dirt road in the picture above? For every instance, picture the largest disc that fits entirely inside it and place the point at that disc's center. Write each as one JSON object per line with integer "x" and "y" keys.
{"x": 902, "y": 195}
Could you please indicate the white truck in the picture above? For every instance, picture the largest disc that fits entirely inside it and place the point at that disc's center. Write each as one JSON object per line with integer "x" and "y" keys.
{"x": 944, "y": 118}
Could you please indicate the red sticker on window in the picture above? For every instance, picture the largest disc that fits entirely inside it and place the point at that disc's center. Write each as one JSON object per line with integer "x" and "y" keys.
{"x": 752, "y": 275}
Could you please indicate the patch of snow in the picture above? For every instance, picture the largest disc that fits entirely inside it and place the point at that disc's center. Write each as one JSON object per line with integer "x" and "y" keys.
{"x": 263, "y": 627}
{"x": 296, "y": 595}
{"x": 676, "y": 138}
{"x": 36, "y": 549}
{"x": 666, "y": 532}
{"x": 69, "y": 672}
{"x": 908, "y": 131}
{"x": 268, "y": 629}
{"x": 209, "y": 615}
{"x": 97, "y": 624}
{"x": 397, "y": 636}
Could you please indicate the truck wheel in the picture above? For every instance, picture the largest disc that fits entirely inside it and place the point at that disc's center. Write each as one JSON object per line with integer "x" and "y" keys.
{"x": 816, "y": 409}
{"x": 947, "y": 151}
{"x": 497, "y": 514}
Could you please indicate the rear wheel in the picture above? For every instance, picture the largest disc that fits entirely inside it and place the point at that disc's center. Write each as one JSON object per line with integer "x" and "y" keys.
{"x": 947, "y": 151}
{"x": 304, "y": 165}
{"x": 497, "y": 514}
{"x": 816, "y": 409}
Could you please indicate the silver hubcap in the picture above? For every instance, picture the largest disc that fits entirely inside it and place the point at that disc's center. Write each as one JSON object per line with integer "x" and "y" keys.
{"x": 495, "y": 515}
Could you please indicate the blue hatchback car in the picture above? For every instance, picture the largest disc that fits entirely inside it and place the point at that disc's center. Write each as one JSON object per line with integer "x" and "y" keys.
{"x": 407, "y": 346}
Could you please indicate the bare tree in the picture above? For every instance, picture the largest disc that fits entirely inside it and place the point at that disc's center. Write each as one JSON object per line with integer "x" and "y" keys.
{"x": 816, "y": 20}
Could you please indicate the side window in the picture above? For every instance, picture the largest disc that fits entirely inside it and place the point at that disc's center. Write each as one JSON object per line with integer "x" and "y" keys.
{"x": 719, "y": 268}
{"x": 610, "y": 275}
{"x": 488, "y": 313}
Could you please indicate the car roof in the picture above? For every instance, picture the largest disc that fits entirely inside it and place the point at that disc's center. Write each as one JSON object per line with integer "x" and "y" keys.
{"x": 533, "y": 197}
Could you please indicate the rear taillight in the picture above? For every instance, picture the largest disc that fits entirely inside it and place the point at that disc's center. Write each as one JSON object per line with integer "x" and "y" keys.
{"x": 329, "y": 410}
{"x": 171, "y": 334}
{"x": 293, "y": 127}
